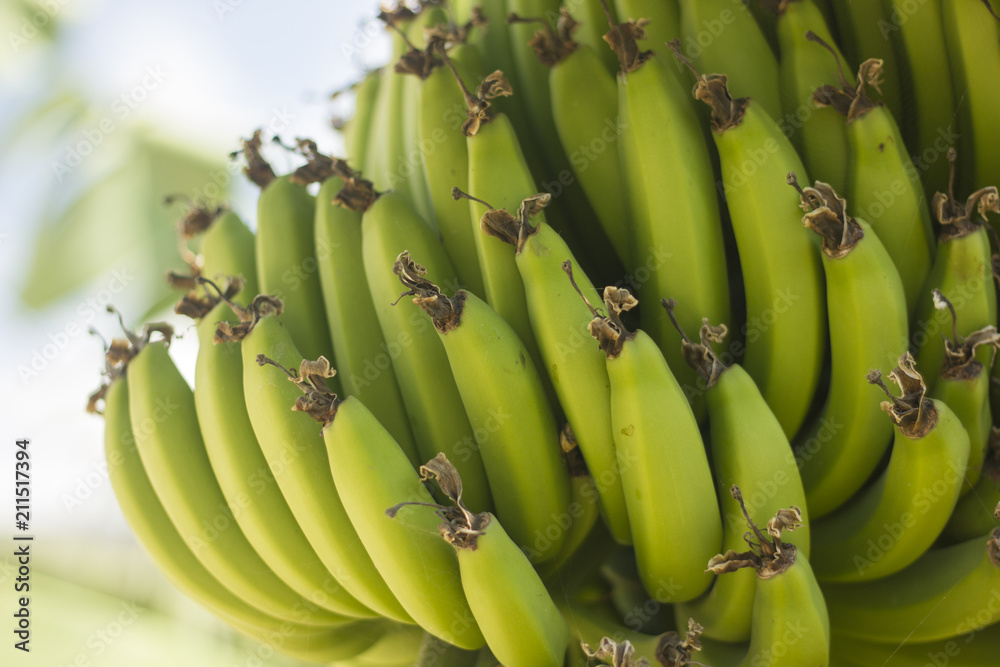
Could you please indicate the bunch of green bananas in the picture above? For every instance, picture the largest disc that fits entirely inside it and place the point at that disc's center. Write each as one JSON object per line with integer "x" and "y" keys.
{"x": 419, "y": 434}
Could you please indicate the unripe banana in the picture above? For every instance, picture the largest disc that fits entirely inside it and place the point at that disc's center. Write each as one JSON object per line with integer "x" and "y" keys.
{"x": 948, "y": 592}
{"x": 227, "y": 249}
{"x": 866, "y": 305}
{"x": 504, "y": 399}
{"x": 976, "y": 514}
{"x": 749, "y": 448}
{"x": 373, "y": 474}
{"x": 357, "y": 129}
{"x": 664, "y": 470}
{"x": 782, "y": 276}
{"x": 897, "y": 517}
{"x": 972, "y": 649}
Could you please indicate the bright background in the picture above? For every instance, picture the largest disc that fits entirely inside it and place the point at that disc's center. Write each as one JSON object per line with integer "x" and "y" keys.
{"x": 106, "y": 106}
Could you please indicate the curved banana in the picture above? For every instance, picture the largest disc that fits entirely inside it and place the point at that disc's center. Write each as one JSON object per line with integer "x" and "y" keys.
{"x": 433, "y": 402}
{"x": 519, "y": 620}
{"x": 372, "y": 475}
{"x": 154, "y": 529}
{"x": 357, "y": 129}
{"x": 962, "y": 272}
{"x": 434, "y": 652}
{"x": 664, "y": 469}
{"x": 668, "y": 183}
{"x": 882, "y": 183}
{"x": 359, "y": 347}
{"x": 504, "y": 399}
{"x": 286, "y": 250}
{"x": 297, "y": 460}
{"x": 976, "y": 512}
{"x": 168, "y": 437}
{"x": 782, "y": 276}
{"x": 574, "y": 365}
{"x": 748, "y": 448}
{"x": 897, "y": 517}
{"x": 319, "y": 645}
{"x": 947, "y": 592}
{"x": 409, "y": 168}
{"x": 723, "y": 36}
{"x": 842, "y": 446}
{"x": 790, "y": 624}
{"x": 970, "y": 34}
{"x": 227, "y": 250}
{"x": 818, "y": 133}
{"x": 972, "y": 649}
{"x": 917, "y": 32}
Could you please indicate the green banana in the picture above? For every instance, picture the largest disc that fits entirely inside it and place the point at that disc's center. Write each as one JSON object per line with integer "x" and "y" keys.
{"x": 504, "y": 399}
{"x": 319, "y": 645}
{"x": 948, "y": 592}
{"x": 519, "y": 620}
{"x": 962, "y": 271}
{"x": 411, "y": 166}
{"x": 893, "y": 520}
{"x": 883, "y": 183}
{"x": 435, "y": 652}
{"x": 977, "y": 512}
{"x": 818, "y": 133}
{"x": 575, "y": 367}
{"x": 584, "y": 104}
{"x": 227, "y": 249}
{"x": 668, "y": 176}
{"x": 972, "y": 649}
{"x": 790, "y": 623}
{"x": 360, "y": 350}
{"x": 153, "y": 527}
{"x": 749, "y": 448}
{"x": 926, "y": 87}
{"x": 722, "y": 36}
{"x": 964, "y": 386}
{"x": 866, "y": 306}
{"x": 168, "y": 437}
{"x": 970, "y": 34}
{"x": 372, "y": 474}
{"x": 782, "y": 275}
{"x": 583, "y": 506}
{"x": 357, "y": 129}
{"x": 297, "y": 458}
{"x": 433, "y": 402}
{"x": 861, "y": 26}
{"x": 666, "y": 478}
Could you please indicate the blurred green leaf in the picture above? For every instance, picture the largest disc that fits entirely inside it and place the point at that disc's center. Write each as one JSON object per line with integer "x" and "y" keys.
{"x": 120, "y": 222}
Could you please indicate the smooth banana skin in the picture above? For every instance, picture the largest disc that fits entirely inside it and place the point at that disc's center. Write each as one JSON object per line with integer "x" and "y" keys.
{"x": 790, "y": 623}
{"x": 519, "y": 620}
{"x": 782, "y": 276}
{"x": 401, "y": 644}
{"x": 434, "y": 652}
{"x": 173, "y": 452}
{"x": 593, "y": 23}
{"x": 584, "y": 102}
{"x": 972, "y": 649}
{"x": 948, "y": 592}
{"x": 360, "y": 349}
{"x": 970, "y": 34}
{"x": 583, "y": 507}
{"x": 900, "y": 514}
{"x": 669, "y": 181}
{"x": 866, "y": 306}
{"x": 664, "y": 469}
{"x": 358, "y": 128}
{"x": 227, "y": 250}
{"x": 320, "y": 645}
{"x": 372, "y": 475}
{"x": 976, "y": 512}
{"x": 861, "y": 26}
{"x": 748, "y": 448}
{"x": 286, "y": 261}
{"x": 253, "y": 496}
{"x": 432, "y": 399}
{"x": 300, "y": 465}
{"x": 506, "y": 403}
{"x": 818, "y": 133}
{"x": 883, "y": 185}
{"x": 574, "y": 365}
{"x": 446, "y": 161}
{"x": 917, "y": 32}
{"x": 664, "y": 25}
{"x": 962, "y": 272}
{"x": 409, "y": 172}
{"x": 155, "y": 530}
{"x": 735, "y": 45}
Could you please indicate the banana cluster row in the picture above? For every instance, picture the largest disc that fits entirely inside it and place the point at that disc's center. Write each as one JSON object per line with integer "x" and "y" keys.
{"x": 420, "y": 434}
